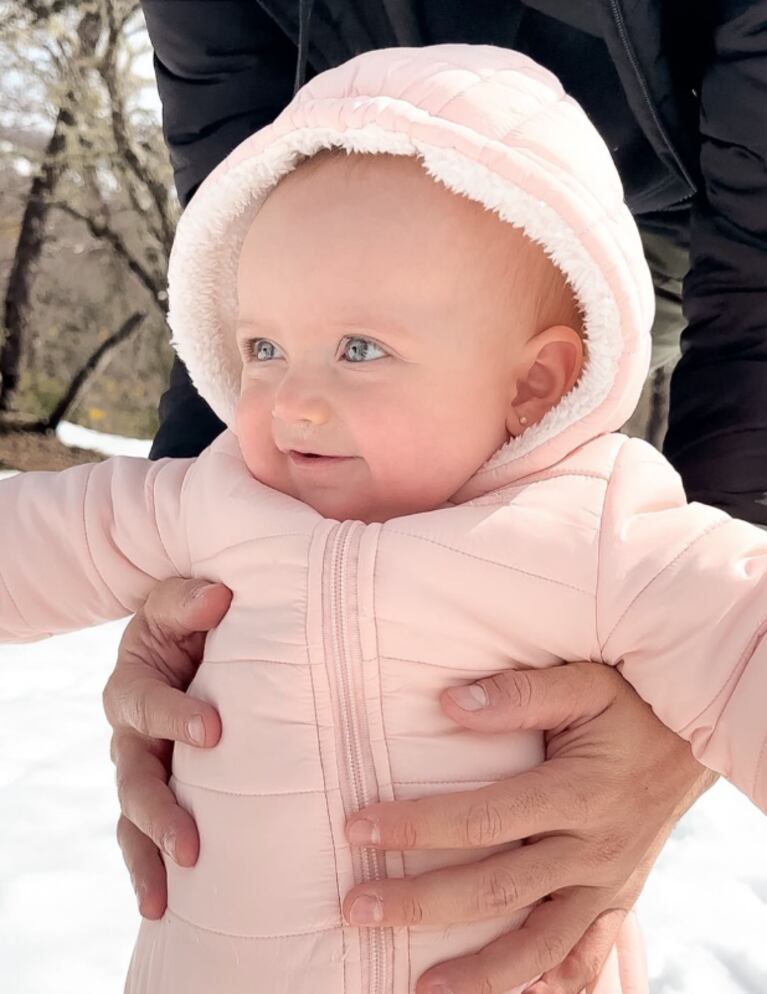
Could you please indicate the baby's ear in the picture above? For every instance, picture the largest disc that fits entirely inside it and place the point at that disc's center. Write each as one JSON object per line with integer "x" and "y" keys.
{"x": 548, "y": 368}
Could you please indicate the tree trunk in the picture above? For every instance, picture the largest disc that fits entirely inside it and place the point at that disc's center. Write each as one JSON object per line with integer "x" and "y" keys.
{"x": 32, "y": 232}
{"x": 87, "y": 370}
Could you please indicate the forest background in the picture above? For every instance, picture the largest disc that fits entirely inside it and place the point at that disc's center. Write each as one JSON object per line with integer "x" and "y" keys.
{"x": 87, "y": 214}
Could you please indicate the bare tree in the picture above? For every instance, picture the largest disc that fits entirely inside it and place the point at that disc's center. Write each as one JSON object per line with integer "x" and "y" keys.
{"x": 104, "y": 168}
{"x": 89, "y": 367}
{"x": 32, "y": 232}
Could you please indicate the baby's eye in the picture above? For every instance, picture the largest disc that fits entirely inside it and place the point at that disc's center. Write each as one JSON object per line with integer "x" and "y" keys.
{"x": 362, "y": 349}
{"x": 261, "y": 349}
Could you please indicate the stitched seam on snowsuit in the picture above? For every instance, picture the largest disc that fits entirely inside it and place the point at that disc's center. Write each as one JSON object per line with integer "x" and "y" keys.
{"x": 683, "y": 552}
{"x": 255, "y": 793}
{"x": 491, "y": 562}
{"x": 15, "y": 604}
{"x": 253, "y": 938}
{"x": 199, "y": 561}
{"x": 319, "y": 747}
{"x": 605, "y": 501}
{"x": 732, "y": 679}
{"x": 761, "y": 759}
{"x": 89, "y": 550}
{"x": 250, "y": 662}
{"x": 385, "y": 734}
{"x": 519, "y": 486}
{"x": 151, "y": 481}
{"x": 464, "y": 670}
{"x": 482, "y": 780}
{"x": 706, "y": 531}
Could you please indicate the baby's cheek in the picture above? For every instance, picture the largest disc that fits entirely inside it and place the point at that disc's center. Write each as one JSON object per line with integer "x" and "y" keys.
{"x": 253, "y": 428}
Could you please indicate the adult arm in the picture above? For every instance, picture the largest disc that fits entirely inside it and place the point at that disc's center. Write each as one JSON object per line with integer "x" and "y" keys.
{"x": 717, "y": 436}
{"x": 223, "y": 71}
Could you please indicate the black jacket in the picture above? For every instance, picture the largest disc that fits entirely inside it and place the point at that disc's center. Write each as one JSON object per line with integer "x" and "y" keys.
{"x": 678, "y": 91}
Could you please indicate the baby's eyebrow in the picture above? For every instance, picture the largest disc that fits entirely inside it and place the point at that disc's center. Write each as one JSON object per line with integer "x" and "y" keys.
{"x": 252, "y": 324}
{"x": 368, "y": 326}
{"x": 362, "y": 327}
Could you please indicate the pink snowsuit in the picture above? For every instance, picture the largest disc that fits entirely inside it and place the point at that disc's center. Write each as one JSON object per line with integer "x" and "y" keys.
{"x": 571, "y": 543}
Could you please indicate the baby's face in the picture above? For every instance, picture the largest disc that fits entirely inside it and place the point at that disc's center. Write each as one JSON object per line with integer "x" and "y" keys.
{"x": 377, "y": 339}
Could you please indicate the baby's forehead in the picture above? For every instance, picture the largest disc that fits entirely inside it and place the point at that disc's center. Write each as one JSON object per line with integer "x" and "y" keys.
{"x": 400, "y": 181}
{"x": 459, "y": 233}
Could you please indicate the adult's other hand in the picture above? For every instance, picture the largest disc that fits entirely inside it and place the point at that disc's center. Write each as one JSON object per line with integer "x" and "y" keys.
{"x": 596, "y": 815}
{"x": 146, "y": 706}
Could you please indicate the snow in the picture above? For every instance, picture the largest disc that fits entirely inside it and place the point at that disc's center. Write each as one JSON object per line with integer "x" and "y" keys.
{"x": 109, "y": 445}
{"x": 67, "y": 913}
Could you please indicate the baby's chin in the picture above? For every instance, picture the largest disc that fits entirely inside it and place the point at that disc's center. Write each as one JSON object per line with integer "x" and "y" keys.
{"x": 370, "y": 509}
{"x": 346, "y": 507}
{"x": 365, "y": 501}
{"x": 333, "y": 501}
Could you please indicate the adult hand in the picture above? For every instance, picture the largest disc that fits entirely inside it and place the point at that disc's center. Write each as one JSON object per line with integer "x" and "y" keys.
{"x": 146, "y": 706}
{"x": 597, "y": 813}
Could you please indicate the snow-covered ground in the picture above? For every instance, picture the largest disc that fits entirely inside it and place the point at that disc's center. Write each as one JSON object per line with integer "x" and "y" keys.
{"x": 67, "y": 914}
{"x": 110, "y": 445}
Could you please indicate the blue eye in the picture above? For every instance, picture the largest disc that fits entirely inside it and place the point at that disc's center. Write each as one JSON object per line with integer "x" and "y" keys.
{"x": 362, "y": 349}
{"x": 261, "y": 349}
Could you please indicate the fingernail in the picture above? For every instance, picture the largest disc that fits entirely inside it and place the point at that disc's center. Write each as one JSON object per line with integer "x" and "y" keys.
{"x": 195, "y": 730}
{"x": 471, "y": 698}
{"x": 140, "y": 891}
{"x": 366, "y": 910}
{"x": 364, "y": 833}
{"x": 169, "y": 844}
{"x": 200, "y": 590}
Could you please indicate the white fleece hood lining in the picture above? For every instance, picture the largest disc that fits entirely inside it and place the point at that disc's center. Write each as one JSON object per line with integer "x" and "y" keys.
{"x": 204, "y": 262}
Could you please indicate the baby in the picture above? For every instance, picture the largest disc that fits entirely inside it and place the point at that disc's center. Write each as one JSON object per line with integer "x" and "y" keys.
{"x": 430, "y": 329}
{"x": 420, "y": 305}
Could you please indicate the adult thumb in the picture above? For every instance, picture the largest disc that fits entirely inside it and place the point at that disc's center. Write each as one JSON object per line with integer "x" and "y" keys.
{"x": 545, "y": 699}
{"x": 179, "y": 607}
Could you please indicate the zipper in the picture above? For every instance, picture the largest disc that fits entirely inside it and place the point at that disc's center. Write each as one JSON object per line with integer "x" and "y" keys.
{"x": 620, "y": 23}
{"x": 357, "y": 777}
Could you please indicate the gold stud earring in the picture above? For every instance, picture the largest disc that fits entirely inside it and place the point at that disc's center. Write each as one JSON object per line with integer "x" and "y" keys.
{"x": 523, "y": 420}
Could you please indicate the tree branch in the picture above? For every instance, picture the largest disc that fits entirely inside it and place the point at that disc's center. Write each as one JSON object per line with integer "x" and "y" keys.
{"x": 85, "y": 372}
{"x": 104, "y": 233}
{"x": 109, "y": 73}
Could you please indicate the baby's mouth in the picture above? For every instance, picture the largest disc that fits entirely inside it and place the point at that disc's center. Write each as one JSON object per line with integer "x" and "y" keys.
{"x": 305, "y": 458}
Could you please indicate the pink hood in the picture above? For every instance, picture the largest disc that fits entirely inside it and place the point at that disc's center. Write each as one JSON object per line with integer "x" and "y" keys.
{"x": 489, "y": 123}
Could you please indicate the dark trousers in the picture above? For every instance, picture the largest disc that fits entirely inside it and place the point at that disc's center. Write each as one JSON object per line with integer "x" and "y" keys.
{"x": 668, "y": 264}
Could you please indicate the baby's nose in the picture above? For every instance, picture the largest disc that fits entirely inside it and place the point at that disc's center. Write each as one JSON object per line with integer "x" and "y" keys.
{"x": 301, "y": 402}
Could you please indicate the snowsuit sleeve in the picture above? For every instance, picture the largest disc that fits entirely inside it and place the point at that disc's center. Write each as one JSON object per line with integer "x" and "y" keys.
{"x": 88, "y": 544}
{"x": 682, "y": 612}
